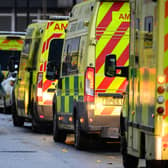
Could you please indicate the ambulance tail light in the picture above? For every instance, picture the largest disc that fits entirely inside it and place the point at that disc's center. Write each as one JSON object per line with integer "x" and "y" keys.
{"x": 160, "y": 110}
{"x": 89, "y": 85}
{"x": 160, "y": 89}
{"x": 39, "y": 86}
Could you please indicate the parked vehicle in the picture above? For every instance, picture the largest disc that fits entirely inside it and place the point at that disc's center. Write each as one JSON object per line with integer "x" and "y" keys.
{"x": 88, "y": 101}
{"x": 144, "y": 120}
{"x": 34, "y": 90}
{"x": 11, "y": 44}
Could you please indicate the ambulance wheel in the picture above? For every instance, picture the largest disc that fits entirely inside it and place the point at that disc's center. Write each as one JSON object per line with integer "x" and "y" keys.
{"x": 58, "y": 136}
{"x": 35, "y": 126}
{"x": 80, "y": 137}
{"x": 17, "y": 121}
{"x": 128, "y": 160}
{"x": 156, "y": 163}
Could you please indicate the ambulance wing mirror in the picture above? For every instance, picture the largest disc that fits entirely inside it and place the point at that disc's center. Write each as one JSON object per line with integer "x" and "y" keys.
{"x": 110, "y": 65}
{"x": 52, "y": 71}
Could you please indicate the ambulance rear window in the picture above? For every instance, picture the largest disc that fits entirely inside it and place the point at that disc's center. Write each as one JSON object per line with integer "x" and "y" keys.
{"x": 5, "y": 55}
{"x": 55, "y": 51}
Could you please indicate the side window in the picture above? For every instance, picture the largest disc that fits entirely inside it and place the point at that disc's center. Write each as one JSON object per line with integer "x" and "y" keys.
{"x": 71, "y": 54}
{"x": 149, "y": 23}
{"x": 55, "y": 52}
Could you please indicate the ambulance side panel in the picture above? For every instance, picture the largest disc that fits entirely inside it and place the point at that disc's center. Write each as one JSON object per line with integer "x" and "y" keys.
{"x": 27, "y": 66}
{"x": 147, "y": 123}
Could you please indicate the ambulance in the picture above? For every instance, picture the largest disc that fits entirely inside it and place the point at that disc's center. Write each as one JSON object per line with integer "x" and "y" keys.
{"x": 34, "y": 89}
{"x": 11, "y": 44}
{"x": 144, "y": 118}
{"x": 88, "y": 101}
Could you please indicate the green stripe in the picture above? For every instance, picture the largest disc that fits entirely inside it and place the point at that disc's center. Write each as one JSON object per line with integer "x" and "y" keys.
{"x": 62, "y": 103}
{"x": 76, "y": 85}
{"x": 58, "y": 103}
{"x": 71, "y": 85}
{"x": 66, "y": 104}
{"x": 70, "y": 104}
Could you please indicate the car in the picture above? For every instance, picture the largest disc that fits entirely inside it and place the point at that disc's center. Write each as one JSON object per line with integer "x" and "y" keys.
{"x": 7, "y": 86}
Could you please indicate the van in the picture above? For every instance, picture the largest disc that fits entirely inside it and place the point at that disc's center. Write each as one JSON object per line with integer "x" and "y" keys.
{"x": 144, "y": 119}
{"x": 88, "y": 101}
{"x": 33, "y": 92}
{"x": 11, "y": 44}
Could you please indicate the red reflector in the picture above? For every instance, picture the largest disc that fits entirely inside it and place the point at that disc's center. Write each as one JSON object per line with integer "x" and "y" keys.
{"x": 41, "y": 116}
{"x": 160, "y": 89}
{"x": 90, "y": 120}
{"x": 160, "y": 110}
{"x": 82, "y": 120}
{"x": 70, "y": 119}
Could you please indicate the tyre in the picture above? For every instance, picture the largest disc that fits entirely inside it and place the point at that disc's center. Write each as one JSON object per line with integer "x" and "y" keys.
{"x": 128, "y": 160}
{"x": 80, "y": 137}
{"x": 58, "y": 135}
{"x": 35, "y": 125}
{"x": 156, "y": 163}
{"x": 17, "y": 121}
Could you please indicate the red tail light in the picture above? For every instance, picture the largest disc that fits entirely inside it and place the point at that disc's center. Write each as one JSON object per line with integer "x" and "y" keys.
{"x": 39, "y": 86}
{"x": 160, "y": 110}
{"x": 160, "y": 89}
{"x": 89, "y": 85}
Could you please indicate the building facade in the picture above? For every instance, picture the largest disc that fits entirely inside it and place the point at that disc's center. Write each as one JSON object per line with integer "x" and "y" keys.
{"x": 15, "y": 15}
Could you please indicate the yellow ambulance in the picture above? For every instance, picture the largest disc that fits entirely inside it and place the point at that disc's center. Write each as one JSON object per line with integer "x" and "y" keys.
{"x": 88, "y": 101}
{"x": 11, "y": 44}
{"x": 144, "y": 120}
{"x": 34, "y": 89}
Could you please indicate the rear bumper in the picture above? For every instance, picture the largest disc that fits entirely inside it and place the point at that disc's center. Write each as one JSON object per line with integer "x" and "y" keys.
{"x": 44, "y": 113}
{"x": 106, "y": 126}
